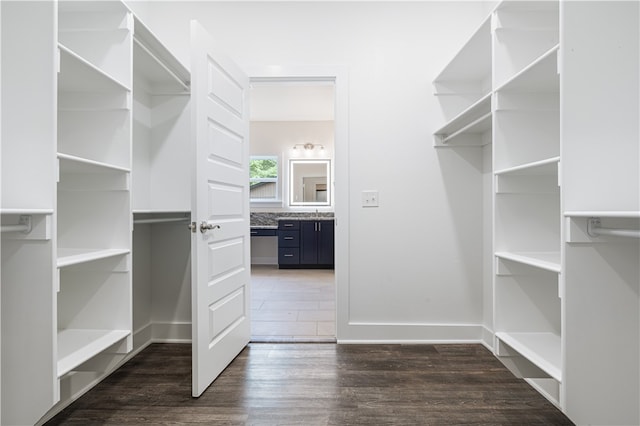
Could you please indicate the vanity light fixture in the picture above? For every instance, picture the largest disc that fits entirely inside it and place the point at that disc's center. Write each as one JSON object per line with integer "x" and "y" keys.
{"x": 308, "y": 146}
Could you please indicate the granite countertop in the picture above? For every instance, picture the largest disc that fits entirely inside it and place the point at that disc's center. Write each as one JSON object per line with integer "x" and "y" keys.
{"x": 269, "y": 220}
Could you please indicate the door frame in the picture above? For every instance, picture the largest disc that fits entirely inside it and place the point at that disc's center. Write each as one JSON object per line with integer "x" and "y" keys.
{"x": 338, "y": 74}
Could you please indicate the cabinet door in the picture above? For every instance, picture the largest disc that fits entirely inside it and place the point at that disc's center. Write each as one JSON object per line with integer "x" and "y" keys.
{"x": 308, "y": 242}
{"x": 326, "y": 242}
{"x": 220, "y": 198}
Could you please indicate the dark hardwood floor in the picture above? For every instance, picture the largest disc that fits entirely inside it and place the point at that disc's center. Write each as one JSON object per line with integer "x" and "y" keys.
{"x": 318, "y": 384}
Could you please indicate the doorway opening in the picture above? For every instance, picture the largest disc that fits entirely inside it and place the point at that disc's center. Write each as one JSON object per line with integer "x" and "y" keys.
{"x": 292, "y": 123}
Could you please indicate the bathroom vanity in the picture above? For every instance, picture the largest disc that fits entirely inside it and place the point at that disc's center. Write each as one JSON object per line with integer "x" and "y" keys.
{"x": 306, "y": 243}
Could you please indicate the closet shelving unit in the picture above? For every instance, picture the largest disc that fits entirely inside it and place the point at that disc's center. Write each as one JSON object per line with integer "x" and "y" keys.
{"x": 111, "y": 151}
{"x": 523, "y": 31}
{"x": 527, "y": 212}
{"x": 502, "y": 88}
{"x": 463, "y": 89}
{"x": 565, "y": 200}
{"x": 93, "y": 191}
{"x": 161, "y": 193}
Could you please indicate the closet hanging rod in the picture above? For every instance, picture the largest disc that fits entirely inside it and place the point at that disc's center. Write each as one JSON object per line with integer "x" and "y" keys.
{"x": 594, "y": 230}
{"x": 24, "y": 225}
{"x": 161, "y": 220}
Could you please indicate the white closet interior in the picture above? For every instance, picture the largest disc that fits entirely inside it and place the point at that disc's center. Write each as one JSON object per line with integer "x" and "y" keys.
{"x": 98, "y": 196}
{"x": 104, "y": 192}
{"x": 93, "y": 203}
{"x": 527, "y": 213}
{"x": 161, "y": 193}
{"x": 534, "y": 85}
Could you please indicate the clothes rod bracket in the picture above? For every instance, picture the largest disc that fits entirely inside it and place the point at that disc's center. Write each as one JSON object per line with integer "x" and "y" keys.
{"x": 594, "y": 229}
{"x": 24, "y": 225}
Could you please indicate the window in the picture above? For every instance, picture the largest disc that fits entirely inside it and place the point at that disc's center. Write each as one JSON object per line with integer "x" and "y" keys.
{"x": 263, "y": 178}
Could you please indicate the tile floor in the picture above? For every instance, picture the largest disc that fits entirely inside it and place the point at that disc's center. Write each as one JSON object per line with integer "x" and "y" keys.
{"x": 292, "y": 305}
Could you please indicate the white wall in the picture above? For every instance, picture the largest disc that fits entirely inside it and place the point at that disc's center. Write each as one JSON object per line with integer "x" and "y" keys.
{"x": 416, "y": 261}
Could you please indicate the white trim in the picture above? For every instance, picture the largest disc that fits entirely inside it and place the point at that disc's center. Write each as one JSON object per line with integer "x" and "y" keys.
{"x": 410, "y": 342}
{"x": 412, "y": 333}
{"x": 265, "y": 260}
{"x": 487, "y": 338}
{"x": 338, "y": 74}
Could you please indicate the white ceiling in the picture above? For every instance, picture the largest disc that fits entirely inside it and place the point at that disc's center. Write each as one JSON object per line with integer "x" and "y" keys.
{"x": 288, "y": 101}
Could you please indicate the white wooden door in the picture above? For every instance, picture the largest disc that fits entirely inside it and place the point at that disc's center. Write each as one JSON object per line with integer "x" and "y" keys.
{"x": 220, "y": 201}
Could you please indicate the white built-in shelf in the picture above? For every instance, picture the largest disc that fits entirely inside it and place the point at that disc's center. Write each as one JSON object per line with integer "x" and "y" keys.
{"x": 475, "y": 128}
{"x": 473, "y": 60}
{"x": 549, "y": 261}
{"x": 27, "y": 211}
{"x": 151, "y": 217}
{"x": 78, "y": 74}
{"x": 75, "y": 256}
{"x": 151, "y": 59}
{"x": 541, "y": 349}
{"x": 479, "y": 112}
{"x": 72, "y": 6}
{"x": 148, "y": 211}
{"x": 158, "y": 78}
{"x": 601, "y": 213}
{"x": 121, "y": 29}
{"x": 527, "y": 6}
{"x": 76, "y": 346}
{"x": 149, "y": 221}
{"x": 73, "y": 164}
{"x": 540, "y": 76}
{"x": 539, "y": 29}
{"x": 547, "y": 166}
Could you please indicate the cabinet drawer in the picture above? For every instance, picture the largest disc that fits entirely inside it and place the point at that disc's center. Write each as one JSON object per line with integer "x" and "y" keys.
{"x": 288, "y": 255}
{"x": 288, "y": 224}
{"x": 288, "y": 238}
{"x": 263, "y": 232}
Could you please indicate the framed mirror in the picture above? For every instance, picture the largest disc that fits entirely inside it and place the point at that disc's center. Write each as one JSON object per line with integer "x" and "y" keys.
{"x": 310, "y": 182}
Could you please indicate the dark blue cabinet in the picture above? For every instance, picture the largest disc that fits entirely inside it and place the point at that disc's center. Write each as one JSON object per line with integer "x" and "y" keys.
{"x": 316, "y": 242}
{"x": 306, "y": 244}
{"x": 263, "y": 232}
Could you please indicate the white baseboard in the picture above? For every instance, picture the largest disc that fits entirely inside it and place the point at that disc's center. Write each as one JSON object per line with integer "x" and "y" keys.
{"x": 264, "y": 260}
{"x": 161, "y": 332}
{"x": 166, "y": 332}
{"x": 410, "y": 333}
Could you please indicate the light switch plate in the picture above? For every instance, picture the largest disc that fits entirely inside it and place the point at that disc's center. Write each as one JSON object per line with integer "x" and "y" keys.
{"x": 369, "y": 198}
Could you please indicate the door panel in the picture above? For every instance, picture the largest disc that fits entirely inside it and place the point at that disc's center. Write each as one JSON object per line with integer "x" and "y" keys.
{"x": 220, "y": 244}
{"x": 228, "y": 145}
{"x": 225, "y": 200}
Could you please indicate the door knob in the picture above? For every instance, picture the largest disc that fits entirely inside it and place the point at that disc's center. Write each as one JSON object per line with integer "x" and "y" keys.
{"x": 205, "y": 226}
{"x": 192, "y": 226}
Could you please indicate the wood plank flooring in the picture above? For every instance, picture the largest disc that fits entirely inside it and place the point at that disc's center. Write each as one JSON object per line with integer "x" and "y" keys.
{"x": 318, "y": 384}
